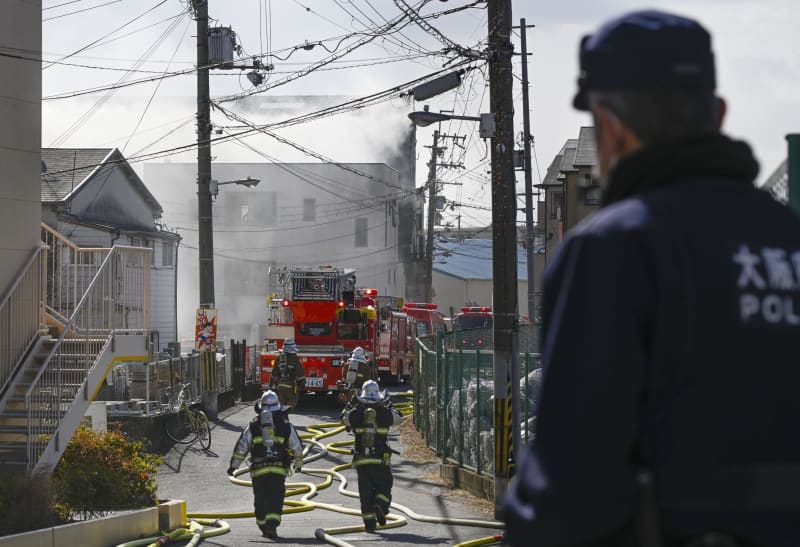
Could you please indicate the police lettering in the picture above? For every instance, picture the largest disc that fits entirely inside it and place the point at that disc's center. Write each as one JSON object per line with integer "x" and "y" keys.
{"x": 772, "y": 308}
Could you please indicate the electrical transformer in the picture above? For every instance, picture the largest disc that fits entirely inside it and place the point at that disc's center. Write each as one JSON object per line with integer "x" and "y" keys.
{"x": 221, "y": 46}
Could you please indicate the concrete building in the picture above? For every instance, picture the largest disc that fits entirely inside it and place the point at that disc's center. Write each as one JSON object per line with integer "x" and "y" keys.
{"x": 94, "y": 198}
{"x": 571, "y": 193}
{"x": 20, "y": 135}
{"x": 361, "y": 216}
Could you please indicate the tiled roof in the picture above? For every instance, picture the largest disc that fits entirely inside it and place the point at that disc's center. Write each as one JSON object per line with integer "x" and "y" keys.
{"x": 586, "y": 153}
{"x": 568, "y": 155}
{"x": 551, "y": 177}
{"x": 472, "y": 259}
{"x": 70, "y": 167}
{"x": 65, "y": 169}
{"x": 778, "y": 183}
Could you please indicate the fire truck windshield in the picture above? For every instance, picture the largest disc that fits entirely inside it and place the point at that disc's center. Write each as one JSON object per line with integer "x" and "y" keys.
{"x": 315, "y": 329}
{"x": 463, "y": 322}
{"x": 351, "y": 325}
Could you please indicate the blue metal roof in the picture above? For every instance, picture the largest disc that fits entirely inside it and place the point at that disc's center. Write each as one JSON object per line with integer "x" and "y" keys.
{"x": 472, "y": 259}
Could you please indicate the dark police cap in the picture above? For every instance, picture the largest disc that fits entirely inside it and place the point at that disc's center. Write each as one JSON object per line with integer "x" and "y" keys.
{"x": 645, "y": 50}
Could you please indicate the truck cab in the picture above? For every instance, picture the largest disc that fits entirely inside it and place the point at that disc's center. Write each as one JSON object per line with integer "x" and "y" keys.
{"x": 472, "y": 327}
{"x": 428, "y": 320}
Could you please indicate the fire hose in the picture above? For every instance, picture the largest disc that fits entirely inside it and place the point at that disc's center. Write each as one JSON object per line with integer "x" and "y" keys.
{"x": 200, "y": 521}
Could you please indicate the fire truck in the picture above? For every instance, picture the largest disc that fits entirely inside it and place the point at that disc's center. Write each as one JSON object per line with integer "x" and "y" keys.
{"x": 428, "y": 320}
{"x": 318, "y": 307}
{"x": 394, "y": 350}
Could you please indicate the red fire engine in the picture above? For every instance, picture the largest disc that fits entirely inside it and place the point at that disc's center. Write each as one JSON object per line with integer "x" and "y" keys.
{"x": 429, "y": 321}
{"x": 394, "y": 351}
{"x": 317, "y": 306}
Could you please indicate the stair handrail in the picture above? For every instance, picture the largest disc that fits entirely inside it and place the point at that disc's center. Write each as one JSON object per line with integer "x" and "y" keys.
{"x": 21, "y": 329}
{"x": 115, "y": 251}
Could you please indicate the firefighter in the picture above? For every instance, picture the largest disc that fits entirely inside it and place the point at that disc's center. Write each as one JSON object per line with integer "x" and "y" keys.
{"x": 274, "y": 448}
{"x": 357, "y": 371}
{"x": 370, "y": 415}
{"x": 288, "y": 377}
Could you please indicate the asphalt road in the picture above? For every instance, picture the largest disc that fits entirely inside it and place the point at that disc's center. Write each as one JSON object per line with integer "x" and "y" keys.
{"x": 199, "y": 477}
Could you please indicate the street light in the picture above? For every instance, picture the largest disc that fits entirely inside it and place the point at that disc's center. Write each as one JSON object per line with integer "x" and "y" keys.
{"x": 250, "y": 182}
{"x": 425, "y": 118}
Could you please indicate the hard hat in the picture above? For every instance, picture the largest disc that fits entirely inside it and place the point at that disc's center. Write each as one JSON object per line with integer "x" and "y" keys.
{"x": 269, "y": 401}
{"x": 359, "y": 351}
{"x": 370, "y": 391}
{"x": 289, "y": 346}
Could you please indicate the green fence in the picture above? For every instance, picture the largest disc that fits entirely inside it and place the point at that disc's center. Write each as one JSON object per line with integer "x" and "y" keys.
{"x": 454, "y": 393}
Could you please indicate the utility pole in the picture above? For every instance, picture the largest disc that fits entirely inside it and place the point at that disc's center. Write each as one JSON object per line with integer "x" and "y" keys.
{"x": 206, "y": 236}
{"x": 504, "y": 243}
{"x": 431, "y": 218}
{"x": 526, "y": 127}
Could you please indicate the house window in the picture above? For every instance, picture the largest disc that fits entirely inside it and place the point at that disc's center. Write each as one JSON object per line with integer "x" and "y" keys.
{"x": 361, "y": 232}
{"x": 152, "y": 244}
{"x": 309, "y": 209}
{"x": 556, "y": 204}
{"x": 167, "y": 253}
{"x": 593, "y": 195}
{"x": 250, "y": 208}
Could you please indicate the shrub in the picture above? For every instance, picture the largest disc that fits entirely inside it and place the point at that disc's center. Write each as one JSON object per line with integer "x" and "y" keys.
{"x": 103, "y": 472}
{"x": 25, "y": 503}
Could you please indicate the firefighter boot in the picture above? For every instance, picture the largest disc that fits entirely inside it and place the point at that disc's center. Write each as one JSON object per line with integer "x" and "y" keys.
{"x": 269, "y": 531}
{"x": 369, "y": 523}
{"x": 380, "y": 516}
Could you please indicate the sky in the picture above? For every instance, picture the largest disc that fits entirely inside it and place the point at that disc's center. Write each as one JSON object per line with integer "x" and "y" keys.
{"x": 756, "y": 47}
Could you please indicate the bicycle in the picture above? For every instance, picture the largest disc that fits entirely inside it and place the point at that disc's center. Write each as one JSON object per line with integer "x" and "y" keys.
{"x": 189, "y": 424}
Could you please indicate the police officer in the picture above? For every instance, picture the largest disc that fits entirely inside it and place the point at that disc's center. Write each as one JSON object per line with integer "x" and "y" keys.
{"x": 370, "y": 415}
{"x": 357, "y": 371}
{"x": 274, "y": 447}
{"x": 288, "y": 376}
{"x": 669, "y": 408}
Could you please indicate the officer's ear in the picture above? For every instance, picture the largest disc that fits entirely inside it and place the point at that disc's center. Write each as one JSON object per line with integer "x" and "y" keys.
{"x": 722, "y": 110}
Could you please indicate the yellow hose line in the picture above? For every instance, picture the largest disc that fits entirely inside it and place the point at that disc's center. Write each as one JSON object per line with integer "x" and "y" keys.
{"x": 489, "y": 540}
{"x": 180, "y": 534}
{"x": 308, "y": 490}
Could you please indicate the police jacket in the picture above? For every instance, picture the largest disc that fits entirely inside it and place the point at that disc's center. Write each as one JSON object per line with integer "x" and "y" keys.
{"x": 671, "y": 331}
{"x": 370, "y": 422}
{"x": 273, "y": 455}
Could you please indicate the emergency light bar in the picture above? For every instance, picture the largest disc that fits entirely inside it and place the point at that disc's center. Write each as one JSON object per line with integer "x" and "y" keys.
{"x": 420, "y": 306}
{"x": 369, "y": 292}
{"x": 476, "y": 308}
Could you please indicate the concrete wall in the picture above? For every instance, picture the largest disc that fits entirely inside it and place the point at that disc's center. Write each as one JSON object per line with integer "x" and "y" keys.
{"x": 20, "y": 136}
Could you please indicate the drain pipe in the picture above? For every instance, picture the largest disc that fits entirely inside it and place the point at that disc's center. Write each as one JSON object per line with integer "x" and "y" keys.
{"x": 793, "y": 170}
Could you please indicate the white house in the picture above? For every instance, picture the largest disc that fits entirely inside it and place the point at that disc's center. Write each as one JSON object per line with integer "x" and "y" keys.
{"x": 94, "y": 198}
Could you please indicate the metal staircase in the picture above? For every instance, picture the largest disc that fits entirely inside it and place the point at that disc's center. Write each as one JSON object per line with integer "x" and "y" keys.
{"x": 92, "y": 311}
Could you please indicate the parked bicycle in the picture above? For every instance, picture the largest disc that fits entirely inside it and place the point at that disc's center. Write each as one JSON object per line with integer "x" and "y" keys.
{"x": 188, "y": 424}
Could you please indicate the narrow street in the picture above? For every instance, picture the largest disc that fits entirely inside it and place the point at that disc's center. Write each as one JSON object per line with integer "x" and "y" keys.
{"x": 198, "y": 476}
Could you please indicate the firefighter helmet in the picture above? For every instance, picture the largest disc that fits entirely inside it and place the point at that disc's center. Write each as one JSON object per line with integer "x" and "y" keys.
{"x": 269, "y": 401}
{"x": 371, "y": 392}
{"x": 358, "y": 355}
{"x": 289, "y": 346}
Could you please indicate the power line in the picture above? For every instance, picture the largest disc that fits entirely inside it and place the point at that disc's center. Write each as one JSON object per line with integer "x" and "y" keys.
{"x": 309, "y": 152}
{"x": 347, "y": 106}
{"x": 80, "y": 10}
{"x": 87, "y": 46}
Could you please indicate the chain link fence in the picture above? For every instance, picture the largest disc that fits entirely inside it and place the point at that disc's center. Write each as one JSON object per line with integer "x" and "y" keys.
{"x": 454, "y": 394}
